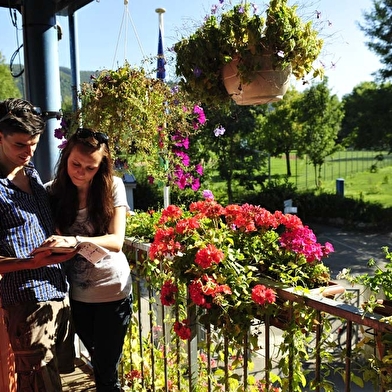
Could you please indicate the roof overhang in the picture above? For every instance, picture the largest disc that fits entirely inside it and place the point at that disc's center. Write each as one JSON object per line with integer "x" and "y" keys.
{"x": 62, "y": 7}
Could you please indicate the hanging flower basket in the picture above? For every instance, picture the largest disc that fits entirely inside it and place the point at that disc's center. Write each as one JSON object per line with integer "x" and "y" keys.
{"x": 268, "y": 84}
{"x": 241, "y": 31}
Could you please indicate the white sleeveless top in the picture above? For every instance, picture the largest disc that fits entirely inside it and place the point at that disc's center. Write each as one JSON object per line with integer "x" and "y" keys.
{"x": 109, "y": 279}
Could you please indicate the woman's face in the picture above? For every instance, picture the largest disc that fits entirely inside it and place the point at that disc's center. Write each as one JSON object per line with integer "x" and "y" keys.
{"x": 82, "y": 167}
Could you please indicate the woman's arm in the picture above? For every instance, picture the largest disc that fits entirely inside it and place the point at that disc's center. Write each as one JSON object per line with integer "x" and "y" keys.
{"x": 112, "y": 241}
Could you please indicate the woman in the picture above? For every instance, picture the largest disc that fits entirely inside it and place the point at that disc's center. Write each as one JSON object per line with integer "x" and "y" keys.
{"x": 89, "y": 204}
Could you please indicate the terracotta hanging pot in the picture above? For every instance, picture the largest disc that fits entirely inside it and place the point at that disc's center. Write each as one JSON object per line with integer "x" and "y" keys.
{"x": 268, "y": 85}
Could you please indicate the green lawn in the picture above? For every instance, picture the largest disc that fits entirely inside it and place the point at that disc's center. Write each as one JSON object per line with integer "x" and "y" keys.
{"x": 372, "y": 187}
{"x": 352, "y": 166}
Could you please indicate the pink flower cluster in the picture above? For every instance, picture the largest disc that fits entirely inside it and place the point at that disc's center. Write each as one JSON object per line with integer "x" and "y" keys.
{"x": 263, "y": 295}
{"x": 220, "y": 253}
{"x": 301, "y": 239}
{"x": 184, "y": 175}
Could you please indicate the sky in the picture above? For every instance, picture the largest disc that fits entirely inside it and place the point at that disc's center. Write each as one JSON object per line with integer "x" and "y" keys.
{"x": 111, "y": 32}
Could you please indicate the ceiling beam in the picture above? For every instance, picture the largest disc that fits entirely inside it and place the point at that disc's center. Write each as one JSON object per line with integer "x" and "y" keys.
{"x": 62, "y": 7}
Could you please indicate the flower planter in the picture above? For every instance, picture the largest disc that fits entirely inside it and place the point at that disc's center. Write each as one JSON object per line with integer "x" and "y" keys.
{"x": 268, "y": 85}
{"x": 285, "y": 314}
{"x": 385, "y": 309}
{"x": 329, "y": 291}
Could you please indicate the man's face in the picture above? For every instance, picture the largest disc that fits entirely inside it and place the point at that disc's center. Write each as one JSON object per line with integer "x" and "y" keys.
{"x": 18, "y": 148}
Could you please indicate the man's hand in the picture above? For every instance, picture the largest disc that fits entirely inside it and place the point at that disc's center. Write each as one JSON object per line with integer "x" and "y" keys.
{"x": 46, "y": 257}
{"x": 41, "y": 259}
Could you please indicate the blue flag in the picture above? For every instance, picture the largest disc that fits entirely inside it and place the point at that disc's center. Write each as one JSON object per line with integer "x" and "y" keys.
{"x": 161, "y": 72}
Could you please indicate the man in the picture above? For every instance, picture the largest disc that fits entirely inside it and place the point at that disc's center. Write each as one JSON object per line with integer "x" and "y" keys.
{"x": 33, "y": 292}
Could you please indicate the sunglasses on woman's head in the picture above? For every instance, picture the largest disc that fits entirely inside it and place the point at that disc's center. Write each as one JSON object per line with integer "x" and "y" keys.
{"x": 84, "y": 133}
{"x": 18, "y": 112}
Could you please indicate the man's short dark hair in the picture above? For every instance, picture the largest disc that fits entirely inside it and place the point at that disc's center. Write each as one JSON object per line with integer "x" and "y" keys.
{"x": 20, "y": 116}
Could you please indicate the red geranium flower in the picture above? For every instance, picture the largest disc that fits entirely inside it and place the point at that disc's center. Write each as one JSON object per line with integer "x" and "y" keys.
{"x": 182, "y": 329}
{"x": 263, "y": 295}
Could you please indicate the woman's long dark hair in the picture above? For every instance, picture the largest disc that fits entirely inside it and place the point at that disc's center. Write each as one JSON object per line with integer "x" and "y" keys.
{"x": 64, "y": 195}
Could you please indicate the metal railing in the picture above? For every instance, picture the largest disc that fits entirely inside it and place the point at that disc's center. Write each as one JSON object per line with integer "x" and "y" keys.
{"x": 341, "y": 164}
{"x": 155, "y": 359}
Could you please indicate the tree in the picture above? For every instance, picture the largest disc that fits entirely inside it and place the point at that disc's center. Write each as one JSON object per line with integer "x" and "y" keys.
{"x": 378, "y": 28}
{"x": 235, "y": 153}
{"x": 279, "y": 128}
{"x": 320, "y": 120}
{"x": 8, "y": 87}
{"x": 368, "y": 116}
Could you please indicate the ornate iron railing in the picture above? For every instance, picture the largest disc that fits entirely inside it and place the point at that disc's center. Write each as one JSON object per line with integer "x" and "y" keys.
{"x": 154, "y": 343}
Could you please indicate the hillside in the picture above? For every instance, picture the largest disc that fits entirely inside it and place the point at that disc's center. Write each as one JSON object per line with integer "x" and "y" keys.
{"x": 65, "y": 82}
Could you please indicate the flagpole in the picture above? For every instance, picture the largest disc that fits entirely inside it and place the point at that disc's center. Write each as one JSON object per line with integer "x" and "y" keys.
{"x": 161, "y": 74}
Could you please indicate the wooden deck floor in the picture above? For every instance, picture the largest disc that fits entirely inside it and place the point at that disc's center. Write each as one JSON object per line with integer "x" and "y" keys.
{"x": 81, "y": 380}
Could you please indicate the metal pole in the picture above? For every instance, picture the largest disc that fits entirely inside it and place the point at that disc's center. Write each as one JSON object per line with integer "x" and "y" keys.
{"x": 161, "y": 74}
{"x": 40, "y": 36}
{"x": 74, "y": 57}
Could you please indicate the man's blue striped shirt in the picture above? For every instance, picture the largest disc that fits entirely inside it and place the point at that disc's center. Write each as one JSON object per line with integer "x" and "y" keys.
{"x": 25, "y": 222}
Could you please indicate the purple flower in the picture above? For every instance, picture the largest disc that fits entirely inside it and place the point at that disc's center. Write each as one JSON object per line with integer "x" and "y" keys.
{"x": 207, "y": 194}
{"x": 197, "y": 71}
{"x": 219, "y": 131}
{"x": 214, "y": 9}
{"x": 59, "y": 133}
{"x": 63, "y": 123}
{"x": 63, "y": 144}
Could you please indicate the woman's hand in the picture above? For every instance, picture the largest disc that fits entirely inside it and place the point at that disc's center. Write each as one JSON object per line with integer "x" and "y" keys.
{"x": 60, "y": 240}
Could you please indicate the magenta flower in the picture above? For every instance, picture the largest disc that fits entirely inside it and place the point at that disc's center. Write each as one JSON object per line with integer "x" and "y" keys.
{"x": 199, "y": 169}
{"x": 201, "y": 117}
{"x": 195, "y": 184}
{"x": 184, "y": 158}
